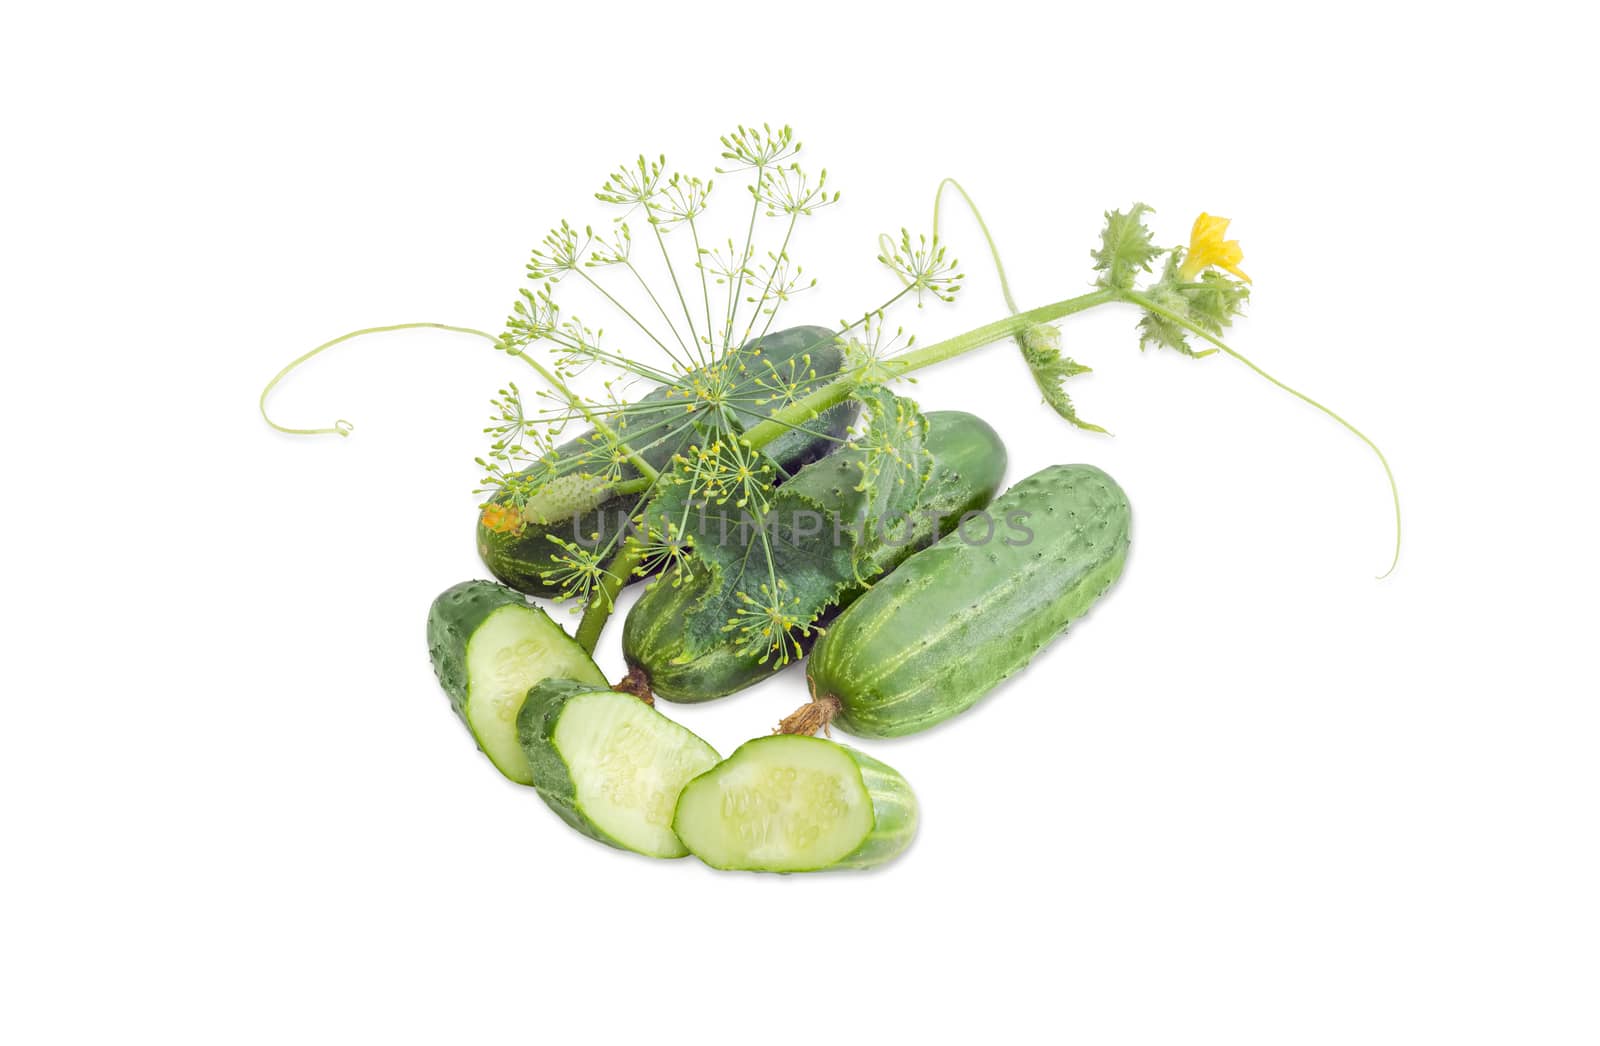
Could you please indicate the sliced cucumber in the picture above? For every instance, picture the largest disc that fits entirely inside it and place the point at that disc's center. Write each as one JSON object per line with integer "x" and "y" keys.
{"x": 489, "y": 646}
{"x": 789, "y": 803}
{"x": 609, "y": 764}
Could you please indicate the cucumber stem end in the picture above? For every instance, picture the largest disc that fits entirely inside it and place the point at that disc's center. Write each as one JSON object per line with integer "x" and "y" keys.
{"x": 637, "y": 683}
{"x": 815, "y": 715}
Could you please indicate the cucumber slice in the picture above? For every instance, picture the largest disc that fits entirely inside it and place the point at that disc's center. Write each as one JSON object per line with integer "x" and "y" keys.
{"x": 489, "y": 646}
{"x": 609, "y": 764}
{"x": 789, "y": 803}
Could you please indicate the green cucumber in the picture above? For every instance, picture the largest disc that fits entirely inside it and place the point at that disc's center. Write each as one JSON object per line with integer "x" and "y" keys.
{"x": 488, "y": 647}
{"x": 969, "y": 461}
{"x": 956, "y": 619}
{"x": 609, "y": 764}
{"x": 796, "y": 804}
{"x": 576, "y": 507}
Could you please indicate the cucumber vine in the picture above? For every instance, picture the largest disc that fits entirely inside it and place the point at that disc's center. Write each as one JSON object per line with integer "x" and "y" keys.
{"x": 695, "y": 308}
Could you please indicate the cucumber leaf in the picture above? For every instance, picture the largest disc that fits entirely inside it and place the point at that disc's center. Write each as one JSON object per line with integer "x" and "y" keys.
{"x": 1041, "y": 349}
{"x": 767, "y": 564}
{"x": 1125, "y": 248}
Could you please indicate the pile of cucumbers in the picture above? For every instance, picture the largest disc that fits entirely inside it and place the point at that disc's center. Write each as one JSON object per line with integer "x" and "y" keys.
{"x": 919, "y": 629}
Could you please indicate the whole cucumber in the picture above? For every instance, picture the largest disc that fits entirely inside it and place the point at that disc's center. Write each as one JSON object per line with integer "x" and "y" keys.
{"x": 576, "y": 507}
{"x": 955, "y": 620}
{"x": 969, "y": 461}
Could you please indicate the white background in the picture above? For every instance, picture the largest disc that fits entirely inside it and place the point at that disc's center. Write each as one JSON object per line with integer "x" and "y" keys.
{"x": 1258, "y": 797}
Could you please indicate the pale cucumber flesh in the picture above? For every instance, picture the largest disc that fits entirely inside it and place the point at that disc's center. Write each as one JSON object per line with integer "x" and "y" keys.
{"x": 514, "y": 648}
{"x": 628, "y": 763}
{"x": 779, "y": 804}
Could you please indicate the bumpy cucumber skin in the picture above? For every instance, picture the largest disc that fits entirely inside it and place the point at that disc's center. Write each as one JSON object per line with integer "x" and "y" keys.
{"x": 894, "y": 808}
{"x": 969, "y": 462}
{"x": 956, "y": 619}
{"x": 519, "y": 559}
{"x": 452, "y": 619}
{"x": 536, "y": 729}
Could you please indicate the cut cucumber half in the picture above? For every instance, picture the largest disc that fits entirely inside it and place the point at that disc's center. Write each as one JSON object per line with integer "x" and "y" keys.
{"x": 609, "y": 764}
{"x": 489, "y": 646}
{"x": 790, "y": 803}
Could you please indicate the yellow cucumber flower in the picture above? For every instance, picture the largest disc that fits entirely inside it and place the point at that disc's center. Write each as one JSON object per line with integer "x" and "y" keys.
{"x": 1207, "y": 248}
{"x": 501, "y": 519}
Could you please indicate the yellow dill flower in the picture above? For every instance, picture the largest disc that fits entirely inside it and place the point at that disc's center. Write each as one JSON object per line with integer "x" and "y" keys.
{"x": 1207, "y": 247}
